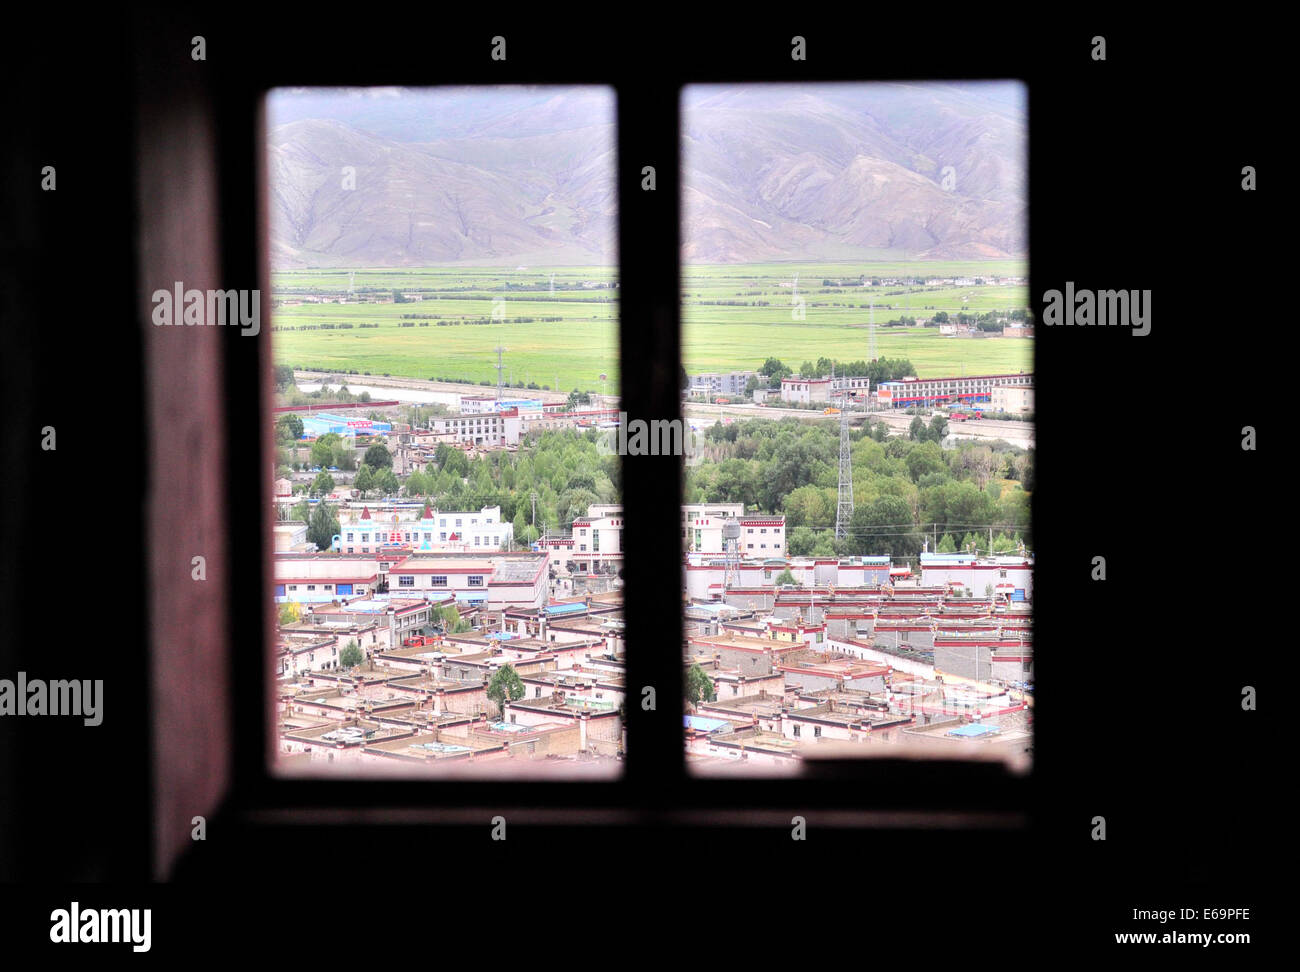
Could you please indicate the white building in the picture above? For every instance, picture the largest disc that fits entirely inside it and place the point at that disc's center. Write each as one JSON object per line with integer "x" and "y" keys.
{"x": 495, "y": 583}
{"x": 761, "y": 536}
{"x": 820, "y": 391}
{"x": 1009, "y": 398}
{"x": 436, "y": 530}
{"x": 488, "y": 428}
{"x": 1012, "y": 576}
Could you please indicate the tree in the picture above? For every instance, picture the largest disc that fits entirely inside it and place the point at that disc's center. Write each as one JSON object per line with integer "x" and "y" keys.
{"x": 290, "y": 612}
{"x": 577, "y": 398}
{"x": 325, "y": 450}
{"x": 811, "y": 506}
{"x": 418, "y": 484}
{"x": 322, "y": 526}
{"x": 386, "y": 482}
{"x": 925, "y": 458}
{"x": 323, "y": 484}
{"x": 884, "y": 528}
{"x": 751, "y": 385}
{"x": 378, "y": 456}
{"x": 283, "y": 378}
{"x": 699, "y": 687}
{"x": 364, "y": 481}
{"x": 505, "y": 685}
{"x": 785, "y": 577}
{"x": 351, "y": 655}
{"x": 916, "y": 431}
{"x": 799, "y": 541}
{"x": 288, "y": 428}
{"x": 450, "y": 620}
{"x": 946, "y": 544}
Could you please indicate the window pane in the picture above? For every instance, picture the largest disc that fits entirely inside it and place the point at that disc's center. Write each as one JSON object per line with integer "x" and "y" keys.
{"x": 854, "y": 259}
{"x": 445, "y": 312}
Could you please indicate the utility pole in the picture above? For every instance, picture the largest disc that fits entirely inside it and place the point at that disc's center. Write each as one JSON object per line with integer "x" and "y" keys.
{"x": 499, "y": 349}
{"x": 844, "y": 506}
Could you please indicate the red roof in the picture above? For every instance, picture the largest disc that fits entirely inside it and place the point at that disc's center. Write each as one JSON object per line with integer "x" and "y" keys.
{"x": 365, "y": 512}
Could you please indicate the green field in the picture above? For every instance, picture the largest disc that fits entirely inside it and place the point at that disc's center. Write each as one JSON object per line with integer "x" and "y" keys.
{"x": 576, "y": 350}
{"x": 583, "y": 344}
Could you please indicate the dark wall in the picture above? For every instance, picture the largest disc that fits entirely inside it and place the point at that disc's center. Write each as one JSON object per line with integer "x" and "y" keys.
{"x": 1135, "y": 178}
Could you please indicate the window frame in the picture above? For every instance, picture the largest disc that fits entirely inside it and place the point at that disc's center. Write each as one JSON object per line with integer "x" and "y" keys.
{"x": 654, "y": 771}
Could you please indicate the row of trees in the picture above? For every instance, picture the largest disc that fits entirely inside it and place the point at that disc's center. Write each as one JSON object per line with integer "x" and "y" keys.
{"x": 881, "y": 369}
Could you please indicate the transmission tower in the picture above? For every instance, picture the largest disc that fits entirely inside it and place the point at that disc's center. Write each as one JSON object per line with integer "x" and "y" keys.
{"x": 871, "y": 332}
{"x": 844, "y": 509}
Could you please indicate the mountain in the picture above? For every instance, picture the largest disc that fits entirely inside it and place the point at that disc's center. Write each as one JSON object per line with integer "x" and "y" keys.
{"x": 780, "y": 172}
{"x": 526, "y": 175}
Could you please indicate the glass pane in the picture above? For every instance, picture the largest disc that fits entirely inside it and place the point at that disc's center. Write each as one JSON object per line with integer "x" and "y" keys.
{"x": 445, "y": 301}
{"x": 858, "y": 348}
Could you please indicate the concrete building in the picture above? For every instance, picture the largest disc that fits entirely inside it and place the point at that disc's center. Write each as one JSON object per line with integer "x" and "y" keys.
{"x": 806, "y": 391}
{"x": 1011, "y": 398}
{"x": 317, "y": 424}
{"x": 307, "y": 577}
{"x": 968, "y": 389}
{"x": 730, "y": 383}
{"x": 820, "y": 391}
{"x": 761, "y": 535}
{"x": 1012, "y": 577}
{"x": 486, "y": 428}
{"x": 494, "y": 583}
{"x": 440, "y": 530}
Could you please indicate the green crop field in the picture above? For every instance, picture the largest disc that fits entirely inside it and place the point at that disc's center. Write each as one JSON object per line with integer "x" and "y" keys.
{"x": 734, "y": 317}
{"x": 469, "y": 312}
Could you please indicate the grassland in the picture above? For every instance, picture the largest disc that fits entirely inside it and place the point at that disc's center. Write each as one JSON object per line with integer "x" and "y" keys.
{"x": 583, "y": 343}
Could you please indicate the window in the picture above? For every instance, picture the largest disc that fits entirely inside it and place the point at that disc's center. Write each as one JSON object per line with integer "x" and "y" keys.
{"x": 438, "y": 580}
{"x": 728, "y": 139}
{"x": 475, "y": 580}
{"x": 406, "y": 580}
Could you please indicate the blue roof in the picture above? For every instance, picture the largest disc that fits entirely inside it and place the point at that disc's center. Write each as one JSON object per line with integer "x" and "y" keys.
{"x": 973, "y": 729}
{"x": 701, "y": 724}
{"x": 573, "y": 608}
{"x": 471, "y": 595}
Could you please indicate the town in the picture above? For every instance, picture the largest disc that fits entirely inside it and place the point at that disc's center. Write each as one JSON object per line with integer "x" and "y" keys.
{"x": 410, "y": 634}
